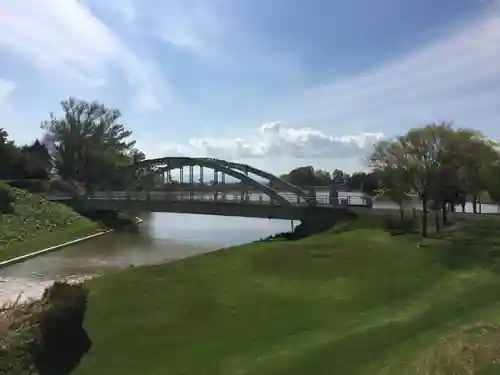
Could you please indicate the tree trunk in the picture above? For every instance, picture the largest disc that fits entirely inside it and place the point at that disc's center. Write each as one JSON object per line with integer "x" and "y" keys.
{"x": 444, "y": 209}
{"x": 474, "y": 204}
{"x": 424, "y": 215}
{"x": 436, "y": 217}
{"x": 402, "y": 216}
{"x": 463, "y": 206}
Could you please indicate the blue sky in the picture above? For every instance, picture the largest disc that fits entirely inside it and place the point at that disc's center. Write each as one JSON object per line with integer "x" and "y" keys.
{"x": 275, "y": 83}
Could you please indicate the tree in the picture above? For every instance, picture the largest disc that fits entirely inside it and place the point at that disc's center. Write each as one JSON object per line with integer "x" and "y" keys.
{"x": 465, "y": 170}
{"x": 367, "y": 183}
{"x": 417, "y": 158}
{"x": 475, "y": 156}
{"x": 3, "y": 136}
{"x": 10, "y": 157}
{"x": 493, "y": 188}
{"x": 308, "y": 176}
{"x": 136, "y": 156}
{"x": 36, "y": 160}
{"x": 339, "y": 177}
{"x": 441, "y": 165}
{"x": 322, "y": 178}
{"x": 302, "y": 176}
{"x": 87, "y": 143}
{"x": 396, "y": 188}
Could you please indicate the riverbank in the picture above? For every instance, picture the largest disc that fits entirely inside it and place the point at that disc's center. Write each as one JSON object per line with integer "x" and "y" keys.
{"x": 28, "y": 223}
{"x": 351, "y": 300}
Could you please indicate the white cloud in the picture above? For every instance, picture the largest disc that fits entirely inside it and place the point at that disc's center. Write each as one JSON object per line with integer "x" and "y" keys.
{"x": 66, "y": 39}
{"x": 275, "y": 140}
{"x": 493, "y": 4}
{"x": 209, "y": 29}
{"x": 461, "y": 68}
{"x": 191, "y": 24}
{"x": 6, "y": 88}
{"x": 126, "y": 9}
{"x": 419, "y": 86}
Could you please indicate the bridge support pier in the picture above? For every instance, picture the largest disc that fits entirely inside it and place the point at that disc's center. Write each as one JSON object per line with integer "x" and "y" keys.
{"x": 314, "y": 222}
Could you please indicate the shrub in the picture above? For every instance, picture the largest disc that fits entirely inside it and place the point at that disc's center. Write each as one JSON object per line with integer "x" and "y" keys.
{"x": 6, "y": 198}
{"x": 33, "y": 186}
{"x": 395, "y": 225}
{"x": 46, "y": 335}
{"x": 62, "y": 340}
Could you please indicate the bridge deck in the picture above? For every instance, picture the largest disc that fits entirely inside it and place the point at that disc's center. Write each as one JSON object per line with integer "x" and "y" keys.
{"x": 258, "y": 206}
{"x": 260, "y": 199}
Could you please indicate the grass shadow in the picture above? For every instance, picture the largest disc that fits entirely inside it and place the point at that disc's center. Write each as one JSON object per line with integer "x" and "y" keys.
{"x": 366, "y": 347}
{"x": 472, "y": 243}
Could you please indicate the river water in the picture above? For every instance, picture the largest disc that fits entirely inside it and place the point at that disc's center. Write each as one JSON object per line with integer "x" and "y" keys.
{"x": 162, "y": 237}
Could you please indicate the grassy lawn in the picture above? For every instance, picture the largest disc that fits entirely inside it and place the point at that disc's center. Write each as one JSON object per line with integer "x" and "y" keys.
{"x": 31, "y": 223}
{"x": 354, "y": 300}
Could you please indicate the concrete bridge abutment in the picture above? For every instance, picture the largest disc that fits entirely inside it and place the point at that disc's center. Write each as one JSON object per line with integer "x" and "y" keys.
{"x": 316, "y": 219}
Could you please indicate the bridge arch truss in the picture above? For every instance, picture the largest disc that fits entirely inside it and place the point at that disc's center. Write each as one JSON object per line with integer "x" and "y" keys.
{"x": 221, "y": 169}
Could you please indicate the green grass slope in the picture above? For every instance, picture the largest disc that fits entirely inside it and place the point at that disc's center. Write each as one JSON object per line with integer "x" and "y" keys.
{"x": 29, "y": 223}
{"x": 350, "y": 301}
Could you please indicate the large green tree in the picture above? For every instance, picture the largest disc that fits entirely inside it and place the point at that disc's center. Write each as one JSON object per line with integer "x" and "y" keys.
{"x": 493, "y": 184}
{"x": 301, "y": 176}
{"x": 439, "y": 164}
{"x": 475, "y": 156}
{"x": 88, "y": 143}
{"x": 417, "y": 158}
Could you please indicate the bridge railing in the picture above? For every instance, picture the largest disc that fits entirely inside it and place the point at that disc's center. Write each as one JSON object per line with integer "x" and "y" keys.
{"x": 229, "y": 198}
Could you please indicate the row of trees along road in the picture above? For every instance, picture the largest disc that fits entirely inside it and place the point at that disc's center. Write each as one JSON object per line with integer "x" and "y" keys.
{"x": 438, "y": 166}
{"x": 87, "y": 143}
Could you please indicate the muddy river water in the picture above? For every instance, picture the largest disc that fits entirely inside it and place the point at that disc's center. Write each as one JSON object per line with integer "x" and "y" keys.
{"x": 162, "y": 237}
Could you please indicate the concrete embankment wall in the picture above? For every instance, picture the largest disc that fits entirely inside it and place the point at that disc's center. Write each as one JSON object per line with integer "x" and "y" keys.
{"x": 47, "y": 250}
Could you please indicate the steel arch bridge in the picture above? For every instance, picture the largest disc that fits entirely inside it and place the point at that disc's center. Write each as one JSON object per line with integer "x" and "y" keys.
{"x": 221, "y": 169}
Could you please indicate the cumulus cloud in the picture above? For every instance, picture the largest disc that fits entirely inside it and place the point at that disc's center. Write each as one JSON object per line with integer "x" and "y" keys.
{"x": 6, "y": 88}
{"x": 275, "y": 140}
{"x": 66, "y": 39}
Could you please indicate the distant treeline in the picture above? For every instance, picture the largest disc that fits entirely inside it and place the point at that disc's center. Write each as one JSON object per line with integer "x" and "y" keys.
{"x": 367, "y": 183}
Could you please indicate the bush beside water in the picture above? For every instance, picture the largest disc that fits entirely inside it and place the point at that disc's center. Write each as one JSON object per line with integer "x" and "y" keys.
{"x": 45, "y": 337}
